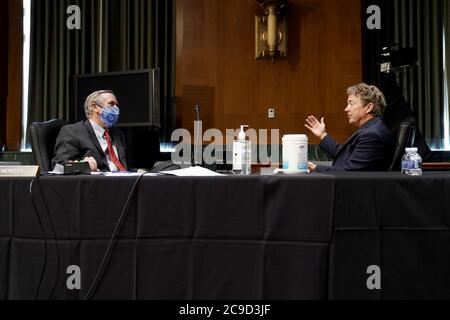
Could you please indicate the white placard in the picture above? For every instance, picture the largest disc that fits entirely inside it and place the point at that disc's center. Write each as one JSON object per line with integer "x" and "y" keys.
{"x": 19, "y": 171}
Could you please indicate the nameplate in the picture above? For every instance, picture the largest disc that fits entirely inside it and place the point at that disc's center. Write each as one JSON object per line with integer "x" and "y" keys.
{"x": 19, "y": 171}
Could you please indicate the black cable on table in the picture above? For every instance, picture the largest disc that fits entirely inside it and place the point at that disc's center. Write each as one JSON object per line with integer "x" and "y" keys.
{"x": 44, "y": 265}
{"x": 58, "y": 255}
{"x": 107, "y": 257}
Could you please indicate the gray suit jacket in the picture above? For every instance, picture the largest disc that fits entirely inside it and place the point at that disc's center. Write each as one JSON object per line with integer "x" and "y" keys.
{"x": 77, "y": 141}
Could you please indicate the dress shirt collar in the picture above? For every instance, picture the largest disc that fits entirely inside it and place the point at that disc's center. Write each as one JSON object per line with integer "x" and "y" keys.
{"x": 99, "y": 131}
{"x": 369, "y": 123}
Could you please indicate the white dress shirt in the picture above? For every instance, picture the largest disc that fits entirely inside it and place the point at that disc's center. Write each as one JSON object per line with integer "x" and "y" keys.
{"x": 100, "y": 134}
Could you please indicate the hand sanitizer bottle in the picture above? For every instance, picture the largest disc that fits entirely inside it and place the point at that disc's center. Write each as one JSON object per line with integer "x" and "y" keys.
{"x": 242, "y": 154}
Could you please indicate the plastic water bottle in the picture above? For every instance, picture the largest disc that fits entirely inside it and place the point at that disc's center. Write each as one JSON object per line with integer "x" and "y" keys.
{"x": 412, "y": 163}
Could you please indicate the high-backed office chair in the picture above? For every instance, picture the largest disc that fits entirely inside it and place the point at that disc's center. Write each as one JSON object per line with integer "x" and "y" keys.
{"x": 43, "y": 139}
{"x": 405, "y": 139}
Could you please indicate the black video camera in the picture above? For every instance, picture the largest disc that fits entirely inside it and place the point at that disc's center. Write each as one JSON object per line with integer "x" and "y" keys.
{"x": 394, "y": 58}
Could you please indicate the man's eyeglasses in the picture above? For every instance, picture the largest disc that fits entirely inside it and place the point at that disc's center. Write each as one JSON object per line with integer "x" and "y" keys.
{"x": 106, "y": 106}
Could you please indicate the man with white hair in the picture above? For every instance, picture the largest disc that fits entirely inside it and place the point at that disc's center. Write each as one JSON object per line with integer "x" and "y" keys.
{"x": 95, "y": 140}
{"x": 371, "y": 147}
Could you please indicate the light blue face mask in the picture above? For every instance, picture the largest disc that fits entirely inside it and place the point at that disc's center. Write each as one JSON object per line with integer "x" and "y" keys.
{"x": 110, "y": 116}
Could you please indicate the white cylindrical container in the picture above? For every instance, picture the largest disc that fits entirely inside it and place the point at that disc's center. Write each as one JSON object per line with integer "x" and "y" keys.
{"x": 295, "y": 153}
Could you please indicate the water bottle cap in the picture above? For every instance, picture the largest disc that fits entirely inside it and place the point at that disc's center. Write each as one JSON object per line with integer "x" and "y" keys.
{"x": 411, "y": 149}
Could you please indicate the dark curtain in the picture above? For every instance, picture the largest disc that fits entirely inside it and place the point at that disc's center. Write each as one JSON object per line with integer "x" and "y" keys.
{"x": 420, "y": 24}
{"x": 447, "y": 71}
{"x": 139, "y": 34}
{"x": 57, "y": 53}
{"x": 417, "y": 24}
{"x": 116, "y": 35}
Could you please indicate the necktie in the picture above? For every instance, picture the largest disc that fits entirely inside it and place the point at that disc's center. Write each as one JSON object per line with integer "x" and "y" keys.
{"x": 112, "y": 154}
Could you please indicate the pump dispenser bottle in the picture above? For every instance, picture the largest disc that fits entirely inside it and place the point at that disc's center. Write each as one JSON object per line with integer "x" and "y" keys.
{"x": 242, "y": 153}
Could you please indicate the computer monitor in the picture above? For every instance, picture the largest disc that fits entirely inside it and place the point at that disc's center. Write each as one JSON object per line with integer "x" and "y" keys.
{"x": 138, "y": 93}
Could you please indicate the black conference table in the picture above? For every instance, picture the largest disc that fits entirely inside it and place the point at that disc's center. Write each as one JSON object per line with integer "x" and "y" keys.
{"x": 228, "y": 238}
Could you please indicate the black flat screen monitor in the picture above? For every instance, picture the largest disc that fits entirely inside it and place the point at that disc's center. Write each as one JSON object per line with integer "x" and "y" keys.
{"x": 137, "y": 93}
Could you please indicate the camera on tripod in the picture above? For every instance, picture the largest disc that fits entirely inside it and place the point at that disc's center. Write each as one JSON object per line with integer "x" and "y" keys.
{"x": 394, "y": 58}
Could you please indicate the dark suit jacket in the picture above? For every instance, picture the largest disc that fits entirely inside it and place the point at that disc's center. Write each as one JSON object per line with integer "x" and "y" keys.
{"x": 369, "y": 149}
{"x": 77, "y": 141}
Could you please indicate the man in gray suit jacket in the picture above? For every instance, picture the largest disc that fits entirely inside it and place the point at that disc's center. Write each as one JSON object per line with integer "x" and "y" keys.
{"x": 96, "y": 139}
{"x": 371, "y": 147}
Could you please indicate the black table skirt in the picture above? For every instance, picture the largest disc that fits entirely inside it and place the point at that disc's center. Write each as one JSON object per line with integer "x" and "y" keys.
{"x": 229, "y": 238}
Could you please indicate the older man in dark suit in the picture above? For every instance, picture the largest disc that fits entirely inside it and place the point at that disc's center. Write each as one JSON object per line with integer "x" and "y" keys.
{"x": 96, "y": 139}
{"x": 371, "y": 147}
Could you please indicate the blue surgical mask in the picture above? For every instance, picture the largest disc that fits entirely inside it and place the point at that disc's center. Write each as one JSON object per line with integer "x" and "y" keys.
{"x": 110, "y": 116}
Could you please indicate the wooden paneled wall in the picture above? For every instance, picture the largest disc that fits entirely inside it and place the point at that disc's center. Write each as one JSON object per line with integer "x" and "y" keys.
{"x": 11, "y": 38}
{"x": 3, "y": 69}
{"x": 15, "y": 62}
{"x": 216, "y": 66}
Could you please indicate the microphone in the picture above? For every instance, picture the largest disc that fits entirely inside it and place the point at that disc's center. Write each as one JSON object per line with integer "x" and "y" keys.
{"x": 197, "y": 111}
{"x": 197, "y": 143}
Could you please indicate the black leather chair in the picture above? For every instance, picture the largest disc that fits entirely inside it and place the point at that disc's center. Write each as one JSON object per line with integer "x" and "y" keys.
{"x": 43, "y": 139}
{"x": 405, "y": 139}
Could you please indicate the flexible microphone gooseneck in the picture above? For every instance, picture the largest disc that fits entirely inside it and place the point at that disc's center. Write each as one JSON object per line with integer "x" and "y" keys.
{"x": 197, "y": 111}
{"x": 197, "y": 130}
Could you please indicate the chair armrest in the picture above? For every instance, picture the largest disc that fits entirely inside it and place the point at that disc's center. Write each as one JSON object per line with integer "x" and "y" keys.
{"x": 438, "y": 166}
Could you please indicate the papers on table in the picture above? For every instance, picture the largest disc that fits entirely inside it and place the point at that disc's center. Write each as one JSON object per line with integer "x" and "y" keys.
{"x": 192, "y": 172}
{"x": 188, "y": 172}
{"x": 59, "y": 170}
{"x": 119, "y": 174}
